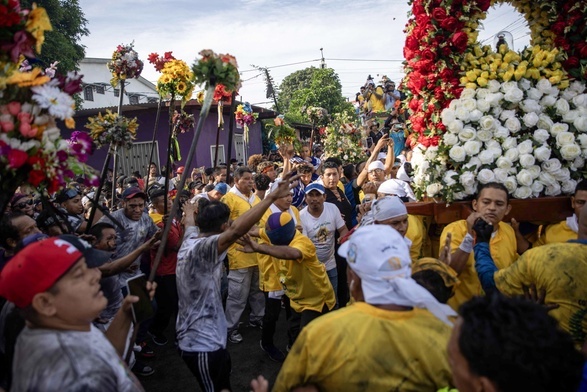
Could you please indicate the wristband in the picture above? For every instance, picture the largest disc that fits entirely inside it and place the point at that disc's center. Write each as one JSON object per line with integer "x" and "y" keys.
{"x": 467, "y": 244}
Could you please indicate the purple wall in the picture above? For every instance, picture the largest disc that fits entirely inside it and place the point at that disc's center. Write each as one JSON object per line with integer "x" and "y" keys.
{"x": 146, "y": 119}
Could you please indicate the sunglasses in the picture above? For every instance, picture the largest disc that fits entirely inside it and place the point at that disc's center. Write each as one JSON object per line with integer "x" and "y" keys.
{"x": 24, "y": 204}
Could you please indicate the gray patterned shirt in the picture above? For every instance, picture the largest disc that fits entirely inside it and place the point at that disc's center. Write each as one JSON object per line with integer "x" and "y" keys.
{"x": 51, "y": 360}
{"x": 201, "y": 324}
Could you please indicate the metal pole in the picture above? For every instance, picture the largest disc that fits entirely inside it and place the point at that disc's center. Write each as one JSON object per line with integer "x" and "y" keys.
{"x": 230, "y": 134}
{"x": 115, "y": 158}
{"x": 153, "y": 143}
{"x": 168, "y": 166}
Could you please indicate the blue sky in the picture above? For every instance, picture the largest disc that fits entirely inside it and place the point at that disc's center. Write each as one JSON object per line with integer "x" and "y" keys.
{"x": 359, "y": 37}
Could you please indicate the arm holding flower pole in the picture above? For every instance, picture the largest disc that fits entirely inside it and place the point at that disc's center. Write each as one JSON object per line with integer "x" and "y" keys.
{"x": 362, "y": 178}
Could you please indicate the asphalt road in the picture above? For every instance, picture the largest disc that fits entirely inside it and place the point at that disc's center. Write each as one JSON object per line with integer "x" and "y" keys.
{"x": 248, "y": 361}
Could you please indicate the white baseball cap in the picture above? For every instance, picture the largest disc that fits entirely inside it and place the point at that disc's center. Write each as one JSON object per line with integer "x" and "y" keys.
{"x": 376, "y": 165}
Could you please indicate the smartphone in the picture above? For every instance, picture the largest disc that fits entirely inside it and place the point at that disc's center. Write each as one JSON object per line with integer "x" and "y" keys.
{"x": 143, "y": 309}
{"x": 369, "y": 142}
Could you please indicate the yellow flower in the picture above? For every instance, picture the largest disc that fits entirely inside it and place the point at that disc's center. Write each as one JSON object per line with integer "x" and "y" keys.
{"x": 471, "y": 75}
{"x": 481, "y": 81}
{"x": 181, "y": 87}
{"x": 70, "y": 123}
{"x": 36, "y": 24}
{"x": 28, "y": 79}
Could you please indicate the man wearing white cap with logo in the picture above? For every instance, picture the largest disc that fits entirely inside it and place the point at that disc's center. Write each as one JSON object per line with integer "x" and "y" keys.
{"x": 393, "y": 337}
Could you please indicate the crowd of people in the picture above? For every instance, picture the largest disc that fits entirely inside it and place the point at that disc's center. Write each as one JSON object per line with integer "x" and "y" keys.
{"x": 373, "y": 300}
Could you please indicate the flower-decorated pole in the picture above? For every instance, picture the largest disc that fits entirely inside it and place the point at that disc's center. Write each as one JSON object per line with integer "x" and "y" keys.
{"x": 209, "y": 70}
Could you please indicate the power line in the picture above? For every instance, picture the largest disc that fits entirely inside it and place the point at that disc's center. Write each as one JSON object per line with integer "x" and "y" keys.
{"x": 365, "y": 60}
{"x": 282, "y": 65}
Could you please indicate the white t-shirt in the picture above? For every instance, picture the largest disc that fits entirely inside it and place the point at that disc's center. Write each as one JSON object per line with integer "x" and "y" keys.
{"x": 52, "y": 360}
{"x": 321, "y": 231}
{"x": 201, "y": 325}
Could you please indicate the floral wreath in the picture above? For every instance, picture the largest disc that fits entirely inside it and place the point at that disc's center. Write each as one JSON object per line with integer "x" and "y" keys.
{"x": 125, "y": 64}
{"x": 481, "y": 114}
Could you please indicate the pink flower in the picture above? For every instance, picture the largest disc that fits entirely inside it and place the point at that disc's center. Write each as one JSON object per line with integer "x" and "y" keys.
{"x": 23, "y": 44}
{"x": 7, "y": 126}
{"x": 27, "y": 130}
{"x": 14, "y": 108}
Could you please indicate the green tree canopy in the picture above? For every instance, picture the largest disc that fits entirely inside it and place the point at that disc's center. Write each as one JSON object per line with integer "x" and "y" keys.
{"x": 311, "y": 87}
{"x": 63, "y": 43}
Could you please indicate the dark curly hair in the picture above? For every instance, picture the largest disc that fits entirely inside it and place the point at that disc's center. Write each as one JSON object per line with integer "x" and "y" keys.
{"x": 262, "y": 182}
{"x": 518, "y": 346}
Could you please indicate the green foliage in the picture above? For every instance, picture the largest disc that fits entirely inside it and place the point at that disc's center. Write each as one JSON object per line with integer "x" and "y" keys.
{"x": 322, "y": 89}
{"x": 63, "y": 43}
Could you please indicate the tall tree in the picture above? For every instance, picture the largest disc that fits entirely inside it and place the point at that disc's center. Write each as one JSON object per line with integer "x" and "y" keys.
{"x": 312, "y": 87}
{"x": 63, "y": 43}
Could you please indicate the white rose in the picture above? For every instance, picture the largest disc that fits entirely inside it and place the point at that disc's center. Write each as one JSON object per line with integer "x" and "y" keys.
{"x": 530, "y": 105}
{"x": 511, "y": 184}
{"x": 525, "y": 84}
{"x": 569, "y": 187}
{"x": 462, "y": 113}
{"x": 486, "y": 157}
{"x": 469, "y": 104}
{"x": 562, "y": 106}
{"x": 496, "y": 152}
{"x": 551, "y": 165}
{"x": 570, "y": 116}
{"x": 496, "y": 111}
{"x": 494, "y": 99}
{"x": 493, "y": 86}
{"x": 448, "y": 116}
{"x": 467, "y": 133}
{"x": 500, "y": 175}
{"x": 459, "y": 195}
{"x": 553, "y": 190}
{"x": 473, "y": 164}
{"x": 546, "y": 178}
{"x": 513, "y": 124}
{"x": 578, "y": 163}
{"x": 581, "y": 123}
{"x": 489, "y": 144}
{"x": 558, "y": 128}
{"x": 564, "y": 138}
{"x": 534, "y": 93}
{"x": 457, "y": 154}
{"x": 504, "y": 163}
{"x": 467, "y": 179}
{"x": 467, "y": 93}
{"x": 534, "y": 171}
{"x": 449, "y": 179}
{"x": 583, "y": 140}
{"x": 454, "y": 104}
{"x": 509, "y": 143}
{"x": 470, "y": 191}
{"x": 548, "y": 101}
{"x": 501, "y": 132}
{"x": 527, "y": 160}
{"x": 515, "y": 95}
{"x": 554, "y": 91}
{"x": 483, "y": 105}
{"x": 433, "y": 189}
{"x": 541, "y": 135}
{"x": 525, "y": 147}
{"x": 431, "y": 153}
{"x": 487, "y": 122}
{"x": 455, "y": 126}
{"x": 507, "y": 114}
{"x": 543, "y": 85}
{"x": 570, "y": 151}
{"x": 544, "y": 122}
{"x": 507, "y": 86}
{"x": 537, "y": 188}
{"x": 481, "y": 93}
{"x": 475, "y": 115}
{"x": 485, "y": 176}
{"x": 580, "y": 100}
{"x": 512, "y": 154}
{"x": 530, "y": 119}
{"x": 472, "y": 147}
{"x": 524, "y": 177}
{"x": 577, "y": 86}
{"x": 484, "y": 135}
{"x": 450, "y": 139}
{"x": 523, "y": 192}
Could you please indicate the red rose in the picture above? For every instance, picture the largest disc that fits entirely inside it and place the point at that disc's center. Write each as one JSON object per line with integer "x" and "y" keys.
{"x": 412, "y": 43}
{"x": 415, "y": 104}
{"x": 423, "y": 20}
{"x": 417, "y": 123}
{"x": 408, "y": 54}
{"x": 438, "y": 93}
{"x": 459, "y": 41}
{"x": 558, "y": 27}
{"x": 17, "y": 158}
{"x": 483, "y": 4}
{"x": 439, "y": 14}
{"x": 36, "y": 177}
{"x": 562, "y": 43}
{"x": 582, "y": 49}
{"x": 446, "y": 51}
{"x": 418, "y": 9}
{"x": 571, "y": 62}
{"x": 450, "y": 24}
{"x": 446, "y": 74}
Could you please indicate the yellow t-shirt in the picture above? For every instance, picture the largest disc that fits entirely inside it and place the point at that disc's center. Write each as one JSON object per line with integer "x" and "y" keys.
{"x": 157, "y": 217}
{"x": 305, "y": 281}
{"x": 377, "y": 104}
{"x": 503, "y": 250}
{"x": 268, "y": 266}
{"x": 561, "y": 270}
{"x": 238, "y": 206}
{"x": 558, "y": 232}
{"x": 416, "y": 233}
{"x": 364, "y": 348}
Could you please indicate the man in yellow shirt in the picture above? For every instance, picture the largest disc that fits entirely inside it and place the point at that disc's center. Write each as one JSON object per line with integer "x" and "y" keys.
{"x": 559, "y": 270}
{"x": 567, "y": 229}
{"x": 243, "y": 276}
{"x": 393, "y": 337}
{"x": 301, "y": 274}
{"x": 491, "y": 205}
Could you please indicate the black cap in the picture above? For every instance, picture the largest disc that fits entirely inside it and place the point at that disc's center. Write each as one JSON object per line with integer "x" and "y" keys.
{"x": 94, "y": 257}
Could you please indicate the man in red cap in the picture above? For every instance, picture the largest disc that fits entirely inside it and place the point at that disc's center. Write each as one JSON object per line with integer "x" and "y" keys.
{"x": 55, "y": 283}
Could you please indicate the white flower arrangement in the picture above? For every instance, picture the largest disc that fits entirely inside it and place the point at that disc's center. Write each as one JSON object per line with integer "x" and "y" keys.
{"x": 527, "y": 135}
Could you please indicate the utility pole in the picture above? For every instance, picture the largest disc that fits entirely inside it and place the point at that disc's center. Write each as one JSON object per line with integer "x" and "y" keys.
{"x": 322, "y": 61}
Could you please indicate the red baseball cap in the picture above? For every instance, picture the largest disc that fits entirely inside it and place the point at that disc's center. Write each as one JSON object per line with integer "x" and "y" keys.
{"x": 36, "y": 269}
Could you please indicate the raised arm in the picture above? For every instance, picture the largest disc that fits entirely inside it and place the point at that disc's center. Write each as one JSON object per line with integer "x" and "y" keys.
{"x": 362, "y": 178}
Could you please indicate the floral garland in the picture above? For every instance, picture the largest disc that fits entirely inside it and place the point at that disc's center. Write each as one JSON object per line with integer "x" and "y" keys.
{"x": 317, "y": 115}
{"x": 31, "y": 148}
{"x": 343, "y": 140}
{"x": 176, "y": 78}
{"x": 213, "y": 69}
{"x": 244, "y": 117}
{"x": 282, "y": 133}
{"x": 125, "y": 64}
{"x": 113, "y": 129}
